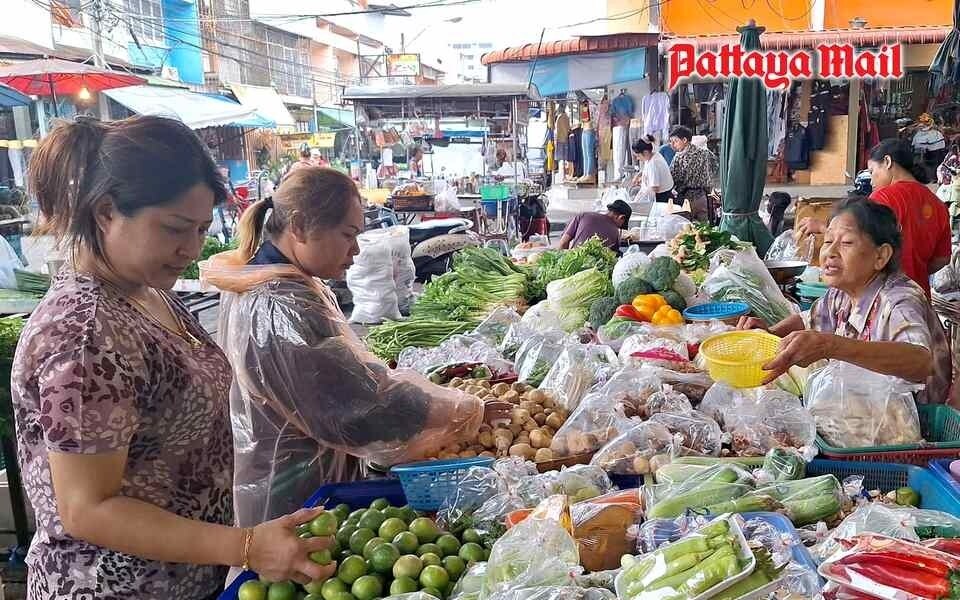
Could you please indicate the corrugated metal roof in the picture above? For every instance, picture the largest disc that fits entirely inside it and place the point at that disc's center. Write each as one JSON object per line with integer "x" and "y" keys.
{"x": 438, "y": 91}
{"x": 810, "y": 39}
{"x": 580, "y": 45}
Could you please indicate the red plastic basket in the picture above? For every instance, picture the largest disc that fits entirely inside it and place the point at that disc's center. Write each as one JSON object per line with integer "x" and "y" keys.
{"x": 920, "y": 458}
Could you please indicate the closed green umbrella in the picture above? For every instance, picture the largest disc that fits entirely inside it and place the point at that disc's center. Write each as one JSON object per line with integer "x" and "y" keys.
{"x": 945, "y": 67}
{"x": 743, "y": 153}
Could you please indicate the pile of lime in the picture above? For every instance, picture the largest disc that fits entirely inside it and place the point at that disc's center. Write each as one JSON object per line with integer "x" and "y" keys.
{"x": 380, "y": 551}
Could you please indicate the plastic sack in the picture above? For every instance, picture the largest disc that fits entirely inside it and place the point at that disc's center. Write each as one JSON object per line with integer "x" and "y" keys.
{"x": 854, "y": 407}
{"x": 456, "y": 350}
{"x": 669, "y": 226}
{"x": 475, "y": 487}
{"x": 370, "y": 281}
{"x": 494, "y": 328}
{"x": 632, "y": 261}
{"x": 666, "y": 400}
{"x": 470, "y": 585}
{"x": 540, "y": 318}
{"x": 740, "y": 275}
{"x": 513, "y": 339}
{"x": 9, "y": 261}
{"x": 795, "y": 578}
{"x": 295, "y": 358}
{"x": 696, "y": 434}
{"x": 575, "y": 372}
{"x": 636, "y": 451}
{"x": 445, "y": 197}
{"x": 805, "y": 501}
{"x": 654, "y": 338}
{"x": 654, "y": 533}
{"x": 760, "y": 419}
{"x": 614, "y": 333}
{"x": 604, "y": 413}
{"x": 720, "y": 484}
{"x": 785, "y": 247}
{"x": 536, "y": 356}
{"x": 692, "y": 384}
{"x": 600, "y": 529}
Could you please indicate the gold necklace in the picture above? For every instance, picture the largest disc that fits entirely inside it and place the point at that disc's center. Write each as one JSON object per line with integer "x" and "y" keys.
{"x": 183, "y": 332}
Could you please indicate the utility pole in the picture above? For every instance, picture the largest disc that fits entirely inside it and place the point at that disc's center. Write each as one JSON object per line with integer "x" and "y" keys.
{"x": 96, "y": 17}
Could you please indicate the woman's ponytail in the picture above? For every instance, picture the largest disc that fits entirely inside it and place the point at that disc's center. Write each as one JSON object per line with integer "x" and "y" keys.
{"x": 250, "y": 230}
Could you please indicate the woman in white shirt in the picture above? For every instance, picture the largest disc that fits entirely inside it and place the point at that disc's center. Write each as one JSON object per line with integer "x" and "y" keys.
{"x": 655, "y": 174}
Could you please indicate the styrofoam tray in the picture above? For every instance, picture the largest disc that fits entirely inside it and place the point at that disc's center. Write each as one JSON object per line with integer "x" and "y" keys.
{"x": 745, "y": 555}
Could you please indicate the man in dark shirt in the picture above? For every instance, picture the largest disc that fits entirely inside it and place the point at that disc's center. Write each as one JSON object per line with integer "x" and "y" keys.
{"x": 606, "y": 226}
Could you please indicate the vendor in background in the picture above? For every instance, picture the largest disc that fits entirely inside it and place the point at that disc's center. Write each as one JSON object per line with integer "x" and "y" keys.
{"x": 120, "y": 397}
{"x": 899, "y": 183}
{"x": 950, "y": 167}
{"x": 305, "y": 160}
{"x": 533, "y": 217}
{"x": 655, "y": 174}
{"x": 873, "y": 315}
{"x": 416, "y": 162}
{"x": 509, "y": 169}
{"x": 694, "y": 170}
{"x": 309, "y": 402}
{"x": 607, "y": 226}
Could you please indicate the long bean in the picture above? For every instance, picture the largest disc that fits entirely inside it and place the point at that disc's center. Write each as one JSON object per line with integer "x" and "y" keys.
{"x": 389, "y": 339}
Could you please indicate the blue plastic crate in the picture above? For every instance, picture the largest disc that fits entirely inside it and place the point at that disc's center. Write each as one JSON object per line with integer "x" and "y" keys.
{"x": 941, "y": 470}
{"x": 934, "y": 494}
{"x": 716, "y": 310}
{"x": 427, "y": 484}
{"x": 356, "y": 494}
{"x": 782, "y": 524}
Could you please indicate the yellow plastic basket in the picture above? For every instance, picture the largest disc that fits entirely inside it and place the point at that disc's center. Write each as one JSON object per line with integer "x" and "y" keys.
{"x": 735, "y": 357}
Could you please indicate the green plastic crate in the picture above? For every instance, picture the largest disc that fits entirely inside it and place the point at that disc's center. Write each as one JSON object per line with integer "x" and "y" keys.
{"x": 940, "y": 426}
{"x": 499, "y": 191}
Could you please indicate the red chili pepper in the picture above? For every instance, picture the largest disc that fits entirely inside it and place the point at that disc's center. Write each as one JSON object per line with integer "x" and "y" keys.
{"x": 628, "y": 311}
{"x": 948, "y": 545}
{"x": 898, "y": 559}
{"x": 919, "y": 583}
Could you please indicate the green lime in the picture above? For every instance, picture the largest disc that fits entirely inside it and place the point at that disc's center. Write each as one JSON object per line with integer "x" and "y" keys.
{"x": 370, "y": 546}
{"x": 342, "y": 511}
{"x": 432, "y": 592}
{"x": 403, "y": 585}
{"x": 431, "y": 559}
{"x": 425, "y": 530}
{"x": 357, "y": 514}
{"x": 252, "y": 590}
{"x": 429, "y": 549}
{"x": 372, "y": 519}
{"x": 391, "y": 528}
{"x": 471, "y": 536}
{"x": 406, "y": 542}
{"x": 321, "y": 557}
{"x": 380, "y": 504}
{"x": 906, "y": 496}
{"x": 408, "y": 566}
{"x": 351, "y": 569}
{"x": 344, "y": 596}
{"x": 331, "y": 587}
{"x": 324, "y": 524}
{"x": 408, "y": 514}
{"x": 359, "y": 539}
{"x": 303, "y": 528}
{"x": 455, "y": 567}
{"x": 472, "y": 553}
{"x": 367, "y": 587}
{"x": 383, "y": 557}
{"x": 316, "y": 587}
{"x": 343, "y": 535}
{"x": 393, "y": 512}
{"x": 435, "y": 577}
{"x": 449, "y": 545}
{"x": 285, "y": 590}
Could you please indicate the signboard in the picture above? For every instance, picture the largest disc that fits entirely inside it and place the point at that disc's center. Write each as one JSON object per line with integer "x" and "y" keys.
{"x": 403, "y": 65}
{"x": 324, "y": 139}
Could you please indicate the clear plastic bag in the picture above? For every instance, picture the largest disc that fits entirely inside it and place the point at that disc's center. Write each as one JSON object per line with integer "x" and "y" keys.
{"x": 654, "y": 533}
{"x": 370, "y": 281}
{"x": 569, "y": 592}
{"x": 740, "y": 275}
{"x": 601, "y": 532}
{"x": 537, "y": 355}
{"x": 575, "y": 371}
{"x": 475, "y": 487}
{"x": 760, "y": 419}
{"x": 540, "y": 318}
{"x": 641, "y": 348}
{"x": 470, "y": 585}
{"x": 693, "y": 384}
{"x": 615, "y": 333}
{"x": 513, "y": 339}
{"x": 495, "y": 327}
{"x": 805, "y": 501}
{"x": 721, "y": 484}
{"x": 785, "y": 247}
{"x": 666, "y": 400}
{"x": 629, "y": 264}
{"x": 696, "y": 433}
{"x": 637, "y": 451}
{"x": 581, "y": 482}
{"x": 604, "y": 413}
{"x": 457, "y": 349}
{"x": 854, "y": 407}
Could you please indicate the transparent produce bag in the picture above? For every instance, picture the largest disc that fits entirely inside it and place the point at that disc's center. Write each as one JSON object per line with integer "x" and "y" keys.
{"x": 575, "y": 371}
{"x": 295, "y": 359}
{"x": 691, "y": 383}
{"x": 854, "y": 407}
{"x": 615, "y": 332}
{"x": 709, "y": 491}
{"x": 581, "y": 482}
{"x": 536, "y": 356}
{"x": 651, "y": 337}
{"x": 495, "y": 327}
{"x": 740, "y": 275}
{"x": 637, "y": 451}
{"x": 629, "y": 264}
{"x": 654, "y": 533}
{"x": 371, "y": 283}
{"x": 696, "y": 433}
{"x": 785, "y": 247}
{"x": 601, "y": 532}
{"x": 805, "y": 501}
{"x": 667, "y": 400}
{"x": 604, "y": 413}
{"x": 513, "y": 339}
{"x": 475, "y": 487}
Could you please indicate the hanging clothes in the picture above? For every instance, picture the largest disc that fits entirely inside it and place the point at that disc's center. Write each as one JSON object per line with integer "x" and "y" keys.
{"x": 574, "y": 153}
{"x": 777, "y": 111}
{"x": 797, "y": 148}
{"x": 655, "y": 113}
{"x": 604, "y": 131}
{"x": 621, "y": 149}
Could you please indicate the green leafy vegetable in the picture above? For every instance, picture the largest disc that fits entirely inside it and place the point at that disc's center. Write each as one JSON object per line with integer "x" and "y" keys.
{"x": 570, "y": 298}
{"x": 389, "y": 339}
{"x": 602, "y": 310}
{"x": 674, "y": 299}
{"x": 10, "y": 330}
{"x": 560, "y": 264}
{"x": 632, "y": 287}
{"x": 694, "y": 246}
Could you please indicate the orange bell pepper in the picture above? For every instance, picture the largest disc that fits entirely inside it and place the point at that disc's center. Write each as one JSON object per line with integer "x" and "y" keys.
{"x": 648, "y": 305}
{"x": 667, "y": 315}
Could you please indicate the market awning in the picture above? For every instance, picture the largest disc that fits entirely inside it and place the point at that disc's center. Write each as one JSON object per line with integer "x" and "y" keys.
{"x": 460, "y": 90}
{"x": 267, "y": 102}
{"x": 338, "y": 117}
{"x": 195, "y": 110}
{"x": 562, "y": 74}
{"x": 580, "y": 45}
{"x": 796, "y": 40}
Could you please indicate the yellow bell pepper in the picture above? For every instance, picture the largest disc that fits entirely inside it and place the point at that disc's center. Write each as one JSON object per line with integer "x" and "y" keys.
{"x": 648, "y": 304}
{"x": 667, "y": 315}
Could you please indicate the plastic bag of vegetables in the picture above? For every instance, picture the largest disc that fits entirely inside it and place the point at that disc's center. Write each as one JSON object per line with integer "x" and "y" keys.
{"x": 604, "y": 413}
{"x": 632, "y": 261}
{"x": 713, "y": 490}
{"x": 805, "y": 501}
{"x": 571, "y": 298}
{"x": 537, "y": 355}
{"x": 494, "y": 328}
{"x": 617, "y": 330}
{"x": 696, "y": 433}
{"x": 575, "y": 371}
{"x": 741, "y": 276}
{"x": 542, "y": 317}
{"x": 637, "y": 451}
{"x": 515, "y": 336}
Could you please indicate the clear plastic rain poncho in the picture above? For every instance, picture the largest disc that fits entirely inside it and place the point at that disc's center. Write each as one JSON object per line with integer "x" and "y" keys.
{"x": 309, "y": 403}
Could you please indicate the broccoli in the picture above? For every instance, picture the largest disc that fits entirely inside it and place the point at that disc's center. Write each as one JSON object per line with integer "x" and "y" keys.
{"x": 674, "y": 299}
{"x": 602, "y": 310}
{"x": 631, "y": 288}
{"x": 662, "y": 272}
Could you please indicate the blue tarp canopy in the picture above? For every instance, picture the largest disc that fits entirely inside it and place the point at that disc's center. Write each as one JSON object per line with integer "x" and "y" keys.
{"x": 194, "y": 110}
{"x": 10, "y": 97}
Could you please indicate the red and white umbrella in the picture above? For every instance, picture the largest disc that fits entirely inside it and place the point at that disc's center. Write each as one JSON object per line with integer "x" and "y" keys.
{"x": 55, "y": 77}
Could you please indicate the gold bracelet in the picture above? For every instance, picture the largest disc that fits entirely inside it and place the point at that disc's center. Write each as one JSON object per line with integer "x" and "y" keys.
{"x": 247, "y": 544}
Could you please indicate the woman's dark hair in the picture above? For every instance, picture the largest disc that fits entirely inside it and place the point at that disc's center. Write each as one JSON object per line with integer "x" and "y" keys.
{"x": 877, "y": 221}
{"x": 642, "y": 145}
{"x": 311, "y": 198}
{"x": 900, "y": 152}
{"x": 137, "y": 162}
{"x": 681, "y": 132}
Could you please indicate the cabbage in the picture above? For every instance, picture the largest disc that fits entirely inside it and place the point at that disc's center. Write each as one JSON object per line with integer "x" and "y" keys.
{"x": 570, "y": 298}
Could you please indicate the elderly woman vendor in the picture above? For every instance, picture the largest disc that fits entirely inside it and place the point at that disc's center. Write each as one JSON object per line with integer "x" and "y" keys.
{"x": 873, "y": 315}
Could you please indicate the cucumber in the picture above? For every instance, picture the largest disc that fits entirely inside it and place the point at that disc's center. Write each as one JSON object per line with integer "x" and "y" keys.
{"x": 699, "y": 498}
{"x": 812, "y": 510}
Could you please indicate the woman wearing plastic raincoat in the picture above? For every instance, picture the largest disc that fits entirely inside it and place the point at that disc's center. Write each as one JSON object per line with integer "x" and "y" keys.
{"x": 309, "y": 403}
